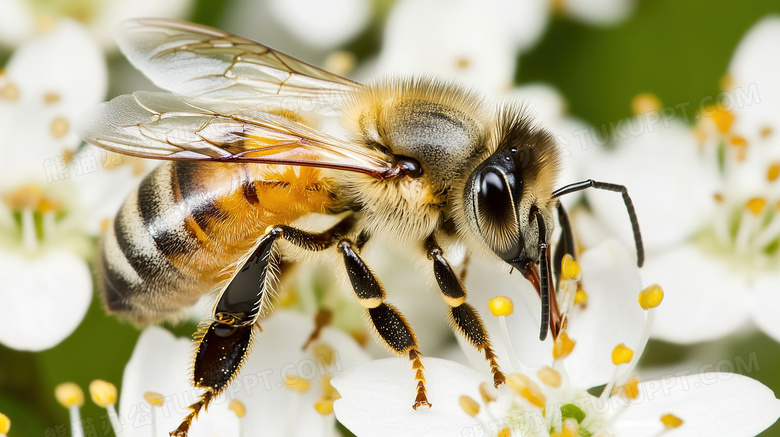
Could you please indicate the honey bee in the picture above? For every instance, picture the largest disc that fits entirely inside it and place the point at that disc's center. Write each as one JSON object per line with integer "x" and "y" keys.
{"x": 425, "y": 164}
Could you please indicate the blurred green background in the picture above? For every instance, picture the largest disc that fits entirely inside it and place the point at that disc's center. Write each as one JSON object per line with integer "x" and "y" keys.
{"x": 677, "y": 50}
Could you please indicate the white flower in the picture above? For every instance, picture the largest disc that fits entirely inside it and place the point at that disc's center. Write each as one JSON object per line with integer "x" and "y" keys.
{"x": 600, "y": 13}
{"x": 546, "y": 393}
{"x": 49, "y": 81}
{"x": 161, "y": 364}
{"x": 707, "y": 200}
{"x": 22, "y": 19}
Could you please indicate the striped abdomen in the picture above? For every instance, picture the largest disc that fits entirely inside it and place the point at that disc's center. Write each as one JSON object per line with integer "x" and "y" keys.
{"x": 178, "y": 233}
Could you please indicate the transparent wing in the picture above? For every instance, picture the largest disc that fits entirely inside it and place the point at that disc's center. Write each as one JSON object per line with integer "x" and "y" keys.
{"x": 199, "y": 61}
{"x": 167, "y": 126}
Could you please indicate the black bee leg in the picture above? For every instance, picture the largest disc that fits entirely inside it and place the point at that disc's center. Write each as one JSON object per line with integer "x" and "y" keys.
{"x": 463, "y": 317}
{"x": 224, "y": 344}
{"x": 388, "y": 322}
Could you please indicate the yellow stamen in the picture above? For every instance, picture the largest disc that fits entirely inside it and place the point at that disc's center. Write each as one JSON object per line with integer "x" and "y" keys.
{"x": 238, "y": 408}
{"x": 766, "y": 132}
{"x": 622, "y": 354}
{"x": 570, "y": 428}
{"x": 325, "y": 353}
{"x": 103, "y": 393}
{"x": 738, "y": 141}
{"x": 23, "y": 198}
{"x": 671, "y": 421}
{"x": 324, "y": 406}
{"x": 154, "y": 399}
{"x": 570, "y": 269}
{"x": 69, "y": 394}
{"x": 523, "y": 386}
{"x": 5, "y": 424}
{"x": 651, "y": 297}
{"x": 59, "y": 127}
{"x": 630, "y": 389}
{"x": 501, "y": 306}
{"x": 505, "y": 433}
{"x": 469, "y": 405}
{"x": 563, "y": 345}
{"x": 287, "y": 297}
{"x": 773, "y": 172}
{"x": 718, "y": 197}
{"x": 645, "y": 102}
{"x": 549, "y": 376}
{"x": 297, "y": 384}
{"x": 580, "y": 297}
{"x": 722, "y": 117}
{"x": 488, "y": 392}
{"x": 48, "y": 205}
{"x": 756, "y": 205}
{"x": 50, "y": 98}
{"x": 9, "y": 92}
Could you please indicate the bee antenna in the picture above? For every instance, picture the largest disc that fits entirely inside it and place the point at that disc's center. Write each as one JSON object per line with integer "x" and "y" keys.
{"x": 590, "y": 183}
{"x": 544, "y": 279}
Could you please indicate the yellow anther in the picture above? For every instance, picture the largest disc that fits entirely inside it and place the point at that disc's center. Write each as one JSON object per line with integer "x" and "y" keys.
{"x": 526, "y": 388}
{"x": 59, "y": 127}
{"x": 501, "y": 306}
{"x": 756, "y": 205}
{"x": 580, "y": 297}
{"x": 766, "y": 132}
{"x": 570, "y": 428}
{"x": 103, "y": 393}
{"x": 324, "y": 353}
{"x": 622, "y": 354}
{"x": 23, "y": 198}
{"x": 488, "y": 392}
{"x": 328, "y": 390}
{"x": 738, "y": 141}
{"x": 630, "y": 389}
{"x": 324, "y": 406}
{"x": 469, "y": 405}
{"x": 5, "y": 424}
{"x": 651, "y": 297}
{"x": 154, "y": 399}
{"x": 287, "y": 297}
{"x": 722, "y": 117}
{"x": 570, "y": 269}
{"x": 718, "y": 197}
{"x": 9, "y": 92}
{"x": 563, "y": 345}
{"x": 238, "y": 408}
{"x": 506, "y": 432}
{"x": 645, "y": 102}
{"x": 50, "y": 98}
{"x": 48, "y": 205}
{"x": 69, "y": 394}
{"x": 297, "y": 384}
{"x": 549, "y": 376}
{"x": 773, "y": 172}
{"x": 671, "y": 421}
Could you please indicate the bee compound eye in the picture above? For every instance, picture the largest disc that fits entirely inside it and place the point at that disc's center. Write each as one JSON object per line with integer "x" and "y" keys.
{"x": 494, "y": 200}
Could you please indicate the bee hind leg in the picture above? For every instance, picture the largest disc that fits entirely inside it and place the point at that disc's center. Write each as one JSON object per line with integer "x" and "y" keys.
{"x": 388, "y": 322}
{"x": 463, "y": 317}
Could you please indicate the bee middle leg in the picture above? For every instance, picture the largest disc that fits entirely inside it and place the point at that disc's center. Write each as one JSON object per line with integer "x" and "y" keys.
{"x": 463, "y": 317}
{"x": 388, "y": 322}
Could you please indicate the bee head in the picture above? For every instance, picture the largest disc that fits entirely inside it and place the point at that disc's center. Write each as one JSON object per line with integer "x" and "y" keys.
{"x": 508, "y": 196}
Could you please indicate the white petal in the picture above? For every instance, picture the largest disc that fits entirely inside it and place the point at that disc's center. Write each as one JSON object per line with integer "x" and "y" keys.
{"x": 465, "y": 42}
{"x": 708, "y": 404}
{"x": 54, "y": 289}
{"x": 600, "y": 12}
{"x": 322, "y": 24}
{"x": 278, "y": 354}
{"x": 162, "y": 364}
{"x": 756, "y": 64}
{"x": 661, "y": 168}
{"x": 766, "y": 304}
{"x": 376, "y": 398}
{"x": 526, "y": 20}
{"x": 704, "y": 297}
{"x": 612, "y": 315}
{"x": 16, "y": 22}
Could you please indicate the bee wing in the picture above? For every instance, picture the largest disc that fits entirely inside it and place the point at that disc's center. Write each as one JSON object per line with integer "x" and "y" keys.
{"x": 199, "y": 61}
{"x": 168, "y": 126}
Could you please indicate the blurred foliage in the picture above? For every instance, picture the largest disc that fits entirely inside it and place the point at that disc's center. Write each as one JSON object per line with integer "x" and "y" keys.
{"x": 678, "y": 50}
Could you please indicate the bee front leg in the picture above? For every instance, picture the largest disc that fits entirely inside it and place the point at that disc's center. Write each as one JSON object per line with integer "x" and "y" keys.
{"x": 463, "y": 317}
{"x": 389, "y": 323}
